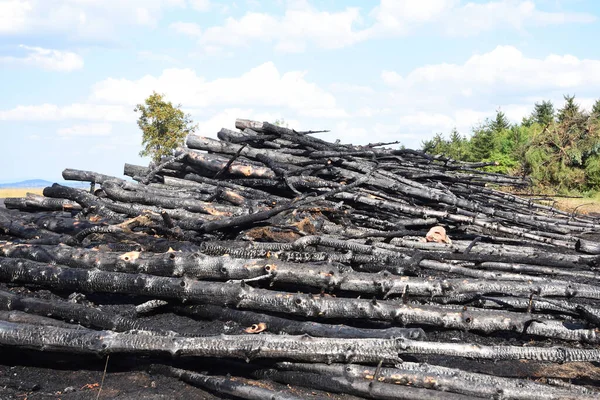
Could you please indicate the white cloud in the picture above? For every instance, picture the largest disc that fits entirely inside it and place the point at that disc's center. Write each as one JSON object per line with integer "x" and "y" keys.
{"x": 391, "y": 78}
{"x": 299, "y": 26}
{"x": 413, "y": 105}
{"x": 13, "y": 15}
{"x": 456, "y": 18}
{"x": 200, "y": 5}
{"x": 351, "y": 88}
{"x": 97, "y": 129}
{"x": 49, "y": 59}
{"x": 262, "y": 86}
{"x": 152, "y": 56}
{"x": 438, "y": 97}
{"x": 400, "y": 16}
{"x": 263, "y": 93}
{"x": 502, "y": 70}
{"x": 187, "y": 28}
{"x": 302, "y": 25}
{"x": 77, "y": 111}
{"x": 210, "y": 123}
{"x": 474, "y": 18}
{"x": 80, "y": 18}
{"x": 372, "y": 112}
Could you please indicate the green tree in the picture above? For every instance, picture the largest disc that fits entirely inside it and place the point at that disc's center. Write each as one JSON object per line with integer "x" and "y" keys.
{"x": 560, "y": 155}
{"x": 543, "y": 113}
{"x": 436, "y": 145}
{"x": 570, "y": 110}
{"x": 500, "y": 123}
{"x": 458, "y": 148}
{"x": 164, "y": 126}
{"x": 596, "y": 110}
{"x": 281, "y": 122}
{"x": 527, "y": 121}
{"x": 482, "y": 143}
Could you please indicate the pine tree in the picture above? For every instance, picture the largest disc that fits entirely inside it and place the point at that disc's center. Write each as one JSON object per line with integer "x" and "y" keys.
{"x": 482, "y": 143}
{"x": 436, "y": 145}
{"x": 596, "y": 111}
{"x": 570, "y": 110}
{"x": 499, "y": 123}
{"x": 458, "y": 146}
{"x": 527, "y": 121}
{"x": 543, "y": 112}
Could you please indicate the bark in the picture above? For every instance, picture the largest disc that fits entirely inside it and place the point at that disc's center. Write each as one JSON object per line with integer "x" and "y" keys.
{"x": 84, "y": 315}
{"x": 250, "y": 137}
{"x": 445, "y": 379}
{"x": 492, "y": 253}
{"x": 587, "y": 246}
{"x": 243, "y": 296}
{"x": 565, "y": 307}
{"x": 245, "y": 347}
{"x": 29, "y": 232}
{"x": 233, "y": 386}
{"x": 481, "y": 352}
{"x": 21, "y": 317}
{"x": 193, "y": 265}
{"x": 63, "y": 225}
{"x": 215, "y": 164}
{"x": 34, "y": 202}
{"x": 115, "y": 192}
{"x": 425, "y": 212}
{"x": 371, "y": 390}
{"x": 535, "y": 269}
{"x": 132, "y": 170}
{"x": 263, "y": 213}
{"x": 86, "y": 200}
{"x": 212, "y": 145}
{"x": 152, "y": 173}
{"x": 451, "y": 200}
{"x": 70, "y": 174}
{"x": 273, "y": 324}
{"x": 248, "y": 192}
{"x": 245, "y": 220}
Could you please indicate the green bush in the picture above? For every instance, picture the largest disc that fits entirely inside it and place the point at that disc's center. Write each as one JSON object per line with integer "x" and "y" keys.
{"x": 164, "y": 126}
{"x": 559, "y": 151}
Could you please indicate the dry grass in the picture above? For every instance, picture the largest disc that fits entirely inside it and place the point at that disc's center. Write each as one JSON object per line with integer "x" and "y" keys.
{"x": 581, "y": 206}
{"x": 18, "y": 192}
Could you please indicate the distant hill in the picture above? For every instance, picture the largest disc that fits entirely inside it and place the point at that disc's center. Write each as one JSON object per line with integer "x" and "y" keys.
{"x": 39, "y": 183}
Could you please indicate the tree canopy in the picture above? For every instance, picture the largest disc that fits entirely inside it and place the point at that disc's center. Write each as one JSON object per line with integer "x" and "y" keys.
{"x": 559, "y": 151}
{"x": 543, "y": 113}
{"x": 164, "y": 126}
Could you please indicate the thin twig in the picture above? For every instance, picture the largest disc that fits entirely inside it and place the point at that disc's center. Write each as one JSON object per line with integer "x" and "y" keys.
{"x": 103, "y": 376}
{"x": 229, "y": 163}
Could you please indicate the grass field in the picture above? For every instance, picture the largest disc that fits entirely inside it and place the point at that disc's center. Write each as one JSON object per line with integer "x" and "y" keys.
{"x": 5, "y": 193}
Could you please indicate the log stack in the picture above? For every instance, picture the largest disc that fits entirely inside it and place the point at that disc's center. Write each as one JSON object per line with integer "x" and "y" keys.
{"x": 298, "y": 264}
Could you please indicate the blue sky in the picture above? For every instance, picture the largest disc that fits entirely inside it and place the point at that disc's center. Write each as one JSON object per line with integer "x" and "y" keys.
{"x": 73, "y": 70}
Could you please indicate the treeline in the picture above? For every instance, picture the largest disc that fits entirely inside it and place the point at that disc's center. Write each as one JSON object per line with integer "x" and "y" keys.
{"x": 558, "y": 149}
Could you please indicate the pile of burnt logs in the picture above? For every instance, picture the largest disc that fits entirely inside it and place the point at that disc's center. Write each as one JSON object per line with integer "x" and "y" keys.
{"x": 359, "y": 270}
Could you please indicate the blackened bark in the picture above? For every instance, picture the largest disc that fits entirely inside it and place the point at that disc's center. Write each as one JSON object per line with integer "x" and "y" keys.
{"x": 273, "y": 324}
{"x": 228, "y": 385}
{"x": 243, "y": 296}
